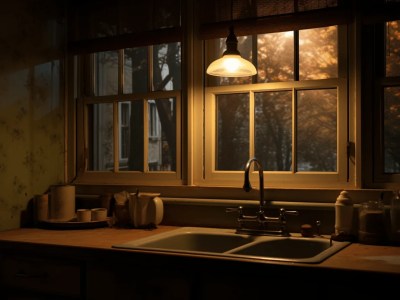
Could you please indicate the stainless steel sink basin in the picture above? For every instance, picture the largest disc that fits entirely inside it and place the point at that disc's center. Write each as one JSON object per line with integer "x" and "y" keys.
{"x": 191, "y": 239}
{"x": 227, "y": 243}
{"x": 194, "y": 241}
{"x": 294, "y": 249}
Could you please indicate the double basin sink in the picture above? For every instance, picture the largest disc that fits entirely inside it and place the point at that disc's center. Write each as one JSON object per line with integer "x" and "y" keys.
{"x": 227, "y": 243}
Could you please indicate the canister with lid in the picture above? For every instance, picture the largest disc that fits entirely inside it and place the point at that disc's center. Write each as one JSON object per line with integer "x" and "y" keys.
{"x": 371, "y": 222}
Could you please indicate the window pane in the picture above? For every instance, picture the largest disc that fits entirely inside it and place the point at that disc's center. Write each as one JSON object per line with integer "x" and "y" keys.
{"x": 232, "y": 131}
{"x": 162, "y": 134}
{"x": 100, "y": 133}
{"x": 392, "y": 48}
{"x": 275, "y": 57}
{"x": 273, "y": 130}
{"x": 318, "y": 53}
{"x": 392, "y": 129}
{"x": 131, "y": 136}
{"x": 167, "y": 67}
{"x": 317, "y": 130}
{"x": 106, "y": 73}
{"x": 215, "y": 50}
{"x": 130, "y": 121}
{"x": 135, "y": 70}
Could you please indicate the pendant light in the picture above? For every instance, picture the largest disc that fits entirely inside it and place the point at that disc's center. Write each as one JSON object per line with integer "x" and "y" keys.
{"x": 231, "y": 64}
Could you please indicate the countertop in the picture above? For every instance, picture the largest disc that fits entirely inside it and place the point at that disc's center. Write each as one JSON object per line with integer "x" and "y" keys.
{"x": 360, "y": 257}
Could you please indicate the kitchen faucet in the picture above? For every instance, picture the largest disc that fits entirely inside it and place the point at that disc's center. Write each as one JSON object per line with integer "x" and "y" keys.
{"x": 260, "y": 224}
{"x": 247, "y": 186}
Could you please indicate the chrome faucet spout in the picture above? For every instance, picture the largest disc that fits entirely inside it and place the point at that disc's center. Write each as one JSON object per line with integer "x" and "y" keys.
{"x": 260, "y": 224}
{"x": 247, "y": 186}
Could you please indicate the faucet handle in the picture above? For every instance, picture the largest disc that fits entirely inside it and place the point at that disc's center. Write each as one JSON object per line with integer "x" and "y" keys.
{"x": 283, "y": 213}
{"x": 236, "y": 209}
{"x": 292, "y": 212}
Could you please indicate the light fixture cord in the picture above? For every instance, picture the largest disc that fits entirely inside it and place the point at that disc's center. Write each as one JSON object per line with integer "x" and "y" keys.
{"x": 232, "y": 12}
{"x": 231, "y": 40}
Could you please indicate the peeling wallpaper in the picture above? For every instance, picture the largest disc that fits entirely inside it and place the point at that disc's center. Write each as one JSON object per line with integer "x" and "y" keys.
{"x": 31, "y": 106}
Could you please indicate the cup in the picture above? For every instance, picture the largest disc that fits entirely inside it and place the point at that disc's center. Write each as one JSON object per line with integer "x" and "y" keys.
{"x": 62, "y": 202}
{"x": 146, "y": 209}
{"x": 83, "y": 215}
{"x": 99, "y": 214}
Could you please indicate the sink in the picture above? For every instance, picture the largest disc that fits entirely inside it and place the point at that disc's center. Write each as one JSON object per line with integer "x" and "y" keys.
{"x": 294, "y": 249}
{"x": 191, "y": 239}
{"x": 227, "y": 243}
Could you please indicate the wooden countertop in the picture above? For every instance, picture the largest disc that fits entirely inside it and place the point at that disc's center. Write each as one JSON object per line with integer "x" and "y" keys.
{"x": 370, "y": 258}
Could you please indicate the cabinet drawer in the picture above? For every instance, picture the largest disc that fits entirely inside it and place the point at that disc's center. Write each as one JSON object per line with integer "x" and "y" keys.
{"x": 42, "y": 275}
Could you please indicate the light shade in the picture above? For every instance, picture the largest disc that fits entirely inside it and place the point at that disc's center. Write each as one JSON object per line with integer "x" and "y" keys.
{"x": 231, "y": 64}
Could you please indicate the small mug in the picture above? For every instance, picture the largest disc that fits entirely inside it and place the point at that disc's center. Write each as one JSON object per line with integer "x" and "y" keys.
{"x": 99, "y": 214}
{"x": 145, "y": 209}
{"x": 83, "y": 215}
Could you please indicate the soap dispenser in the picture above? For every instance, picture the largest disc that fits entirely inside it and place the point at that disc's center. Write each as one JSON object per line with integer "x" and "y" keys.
{"x": 344, "y": 216}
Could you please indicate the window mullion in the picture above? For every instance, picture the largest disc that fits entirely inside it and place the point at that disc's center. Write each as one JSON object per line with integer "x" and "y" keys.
{"x": 254, "y": 55}
{"x": 116, "y": 108}
{"x": 150, "y": 68}
{"x": 116, "y": 135}
{"x": 296, "y": 76}
{"x": 294, "y": 130}
{"x": 120, "y": 72}
{"x": 252, "y": 124}
{"x": 145, "y": 136}
{"x": 86, "y": 65}
{"x": 296, "y": 52}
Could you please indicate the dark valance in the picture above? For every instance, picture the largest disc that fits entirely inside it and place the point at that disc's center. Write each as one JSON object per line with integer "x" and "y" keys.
{"x": 96, "y": 25}
{"x": 265, "y": 16}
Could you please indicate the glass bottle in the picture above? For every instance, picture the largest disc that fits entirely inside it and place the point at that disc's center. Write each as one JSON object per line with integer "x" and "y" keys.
{"x": 343, "y": 214}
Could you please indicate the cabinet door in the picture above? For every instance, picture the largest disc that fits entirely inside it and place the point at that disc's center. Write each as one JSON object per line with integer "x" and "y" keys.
{"x": 130, "y": 281}
{"x": 26, "y": 275}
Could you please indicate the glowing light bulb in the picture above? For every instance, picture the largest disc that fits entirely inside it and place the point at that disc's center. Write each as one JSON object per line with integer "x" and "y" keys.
{"x": 231, "y": 64}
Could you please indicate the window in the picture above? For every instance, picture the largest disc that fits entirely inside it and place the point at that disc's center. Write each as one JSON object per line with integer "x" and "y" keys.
{"x": 292, "y": 116}
{"x": 132, "y": 120}
{"x": 391, "y": 99}
{"x": 384, "y": 88}
{"x": 140, "y": 122}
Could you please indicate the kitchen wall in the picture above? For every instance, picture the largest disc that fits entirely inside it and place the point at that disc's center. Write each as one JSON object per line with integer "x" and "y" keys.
{"x": 31, "y": 104}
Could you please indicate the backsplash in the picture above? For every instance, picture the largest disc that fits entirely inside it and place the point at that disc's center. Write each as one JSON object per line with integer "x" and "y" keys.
{"x": 31, "y": 106}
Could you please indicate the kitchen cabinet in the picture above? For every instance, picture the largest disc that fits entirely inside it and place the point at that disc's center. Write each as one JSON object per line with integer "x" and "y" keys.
{"x": 122, "y": 281}
{"x": 81, "y": 264}
{"x": 27, "y": 277}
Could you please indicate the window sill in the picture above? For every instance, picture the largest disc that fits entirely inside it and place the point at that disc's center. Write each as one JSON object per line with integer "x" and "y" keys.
{"x": 236, "y": 195}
